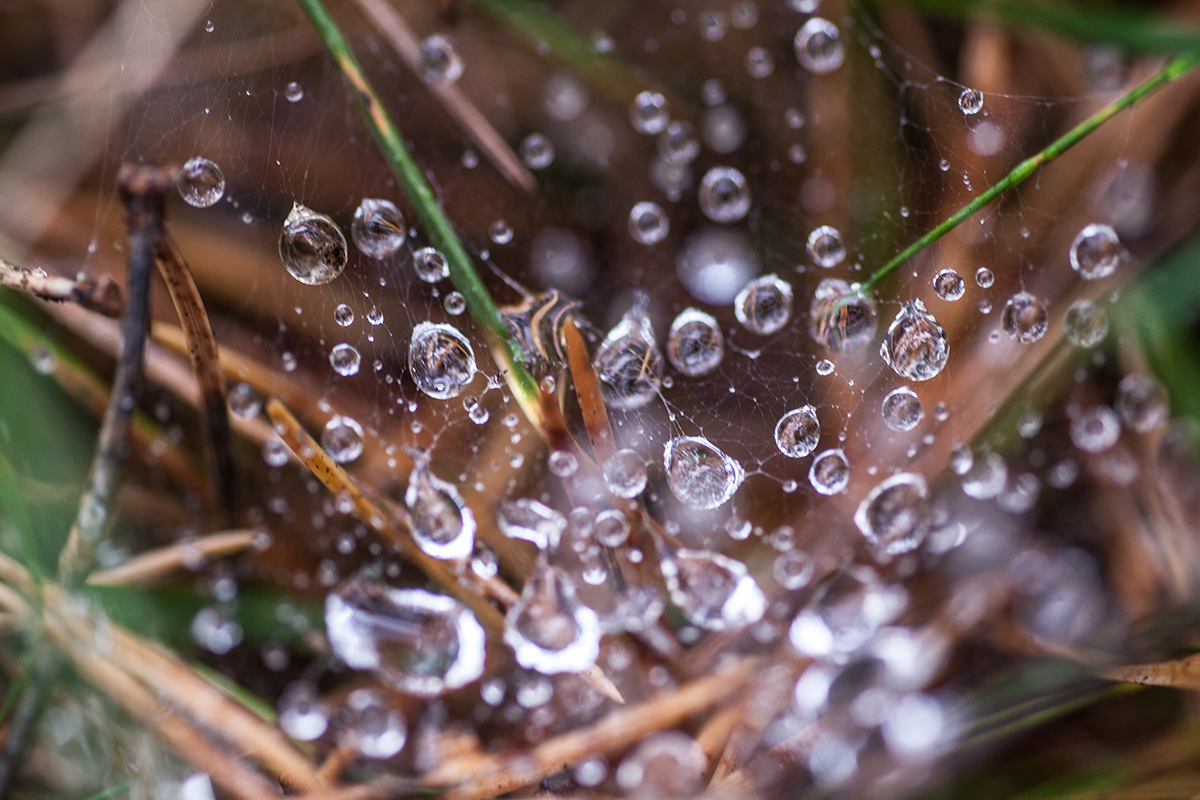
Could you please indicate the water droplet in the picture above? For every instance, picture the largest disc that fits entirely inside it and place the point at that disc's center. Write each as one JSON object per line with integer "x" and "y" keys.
{"x": 1105, "y": 67}
{"x": 440, "y": 60}
{"x": 894, "y": 516}
{"x": 530, "y": 520}
{"x": 713, "y": 591}
{"x": 648, "y": 223}
{"x": 342, "y": 439}
{"x": 419, "y": 642}
{"x": 724, "y": 195}
{"x": 548, "y": 629}
{"x": 370, "y": 726}
{"x": 970, "y": 101}
{"x": 455, "y": 303}
{"x": 902, "y": 410}
{"x": 301, "y": 713}
{"x": 830, "y": 472}
{"x": 797, "y": 432}
{"x": 312, "y": 246}
{"x": 648, "y": 114}
{"x": 759, "y": 62}
{"x": 625, "y": 473}
{"x": 695, "y": 345}
{"x": 818, "y": 46}
{"x": 345, "y": 359}
{"x": 275, "y": 453}
{"x": 1142, "y": 402}
{"x": 564, "y": 96}
{"x": 1096, "y": 430}
{"x": 628, "y": 362}
{"x": 824, "y": 367}
{"x": 441, "y": 360}
{"x": 949, "y": 285}
{"x": 201, "y": 182}
{"x": 1096, "y": 252}
{"x": 475, "y": 410}
{"x": 430, "y": 265}
{"x": 715, "y": 263}
{"x": 840, "y": 318}
{"x": 214, "y": 630}
{"x": 984, "y": 479}
{"x": 915, "y": 345}
{"x": 378, "y": 227}
{"x": 678, "y": 143}
{"x": 612, "y": 528}
{"x": 961, "y": 459}
{"x": 1024, "y": 318}
{"x": 209, "y": 27}
{"x": 664, "y": 765}
{"x": 294, "y": 92}
{"x": 825, "y": 247}
{"x": 914, "y": 727}
{"x": 845, "y": 614}
{"x": 764, "y": 305}
{"x": 443, "y": 525}
{"x": 342, "y": 315}
{"x": 700, "y": 474}
{"x": 1086, "y": 324}
{"x": 984, "y": 278}
{"x": 793, "y": 570}
{"x": 500, "y": 232}
{"x": 244, "y": 401}
{"x": 537, "y": 151}
{"x": 375, "y": 316}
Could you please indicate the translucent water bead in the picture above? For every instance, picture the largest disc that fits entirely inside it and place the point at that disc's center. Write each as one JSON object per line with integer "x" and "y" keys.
{"x": 537, "y": 151}
{"x": 699, "y": 474}
{"x": 312, "y": 246}
{"x": 819, "y": 47}
{"x": 201, "y": 182}
{"x": 345, "y": 359}
{"x": 970, "y": 102}
{"x": 1096, "y": 252}
{"x": 648, "y": 223}
{"x": 628, "y": 362}
{"x": 695, "y": 345}
{"x": 378, "y": 227}
{"x": 648, "y": 114}
{"x": 1142, "y": 402}
{"x": 549, "y": 630}
{"x": 624, "y": 473}
{"x": 764, "y": 305}
{"x": 724, "y": 195}
{"x": 915, "y": 345}
{"x": 713, "y": 591}
{"x": 901, "y": 409}
{"x": 894, "y": 516}
{"x": 825, "y": 247}
{"x": 430, "y": 265}
{"x": 846, "y": 613}
{"x": 443, "y": 525}
{"x": 440, "y": 59}
{"x": 530, "y": 520}
{"x": 830, "y": 472}
{"x": 372, "y": 727}
{"x": 949, "y": 285}
{"x": 1024, "y": 318}
{"x": 441, "y": 360}
{"x": 1086, "y": 324}
{"x": 797, "y": 432}
{"x": 840, "y": 318}
{"x": 419, "y": 642}
{"x": 342, "y": 439}
{"x": 668, "y": 765}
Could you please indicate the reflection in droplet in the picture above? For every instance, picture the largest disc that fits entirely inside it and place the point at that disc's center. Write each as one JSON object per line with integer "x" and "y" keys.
{"x": 986, "y": 476}
{"x": 1096, "y": 252}
{"x": 376, "y": 730}
{"x": 443, "y": 525}
{"x": 343, "y": 315}
{"x": 830, "y": 472}
{"x": 648, "y": 114}
{"x": 244, "y": 401}
{"x": 713, "y": 591}
{"x": 440, "y": 360}
{"x": 530, "y": 520}
{"x": 1024, "y": 318}
{"x": 549, "y": 630}
{"x": 724, "y": 195}
{"x": 695, "y": 345}
{"x": 430, "y": 265}
{"x": 624, "y": 473}
{"x": 201, "y": 182}
{"x": 678, "y": 143}
{"x": 312, "y": 246}
{"x": 1142, "y": 402}
{"x": 840, "y": 318}
{"x": 537, "y": 151}
{"x": 970, "y": 101}
{"x": 345, "y": 359}
{"x": 440, "y": 60}
{"x": 1086, "y": 324}
{"x": 648, "y": 223}
{"x": 378, "y": 227}
{"x": 764, "y": 305}
{"x": 628, "y": 362}
{"x": 949, "y": 285}
{"x": 797, "y": 432}
{"x": 1096, "y": 430}
{"x": 294, "y": 92}
{"x": 984, "y": 278}
{"x": 915, "y": 345}
{"x": 342, "y": 439}
{"x": 901, "y": 409}
{"x": 700, "y": 474}
{"x": 825, "y": 247}
{"x": 818, "y": 46}
{"x": 894, "y": 516}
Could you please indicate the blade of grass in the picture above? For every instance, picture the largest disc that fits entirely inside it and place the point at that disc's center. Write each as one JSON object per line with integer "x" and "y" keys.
{"x": 1175, "y": 69}
{"x": 13, "y": 504}
{"x": 112, "y": 791}
{"x": 161, "y": 562}
{"x": 437, "y": 226}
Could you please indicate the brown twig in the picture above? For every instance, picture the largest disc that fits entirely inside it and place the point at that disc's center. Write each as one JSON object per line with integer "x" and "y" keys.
{"x": 102, "y": 295}
{"x": 154, "y": 565}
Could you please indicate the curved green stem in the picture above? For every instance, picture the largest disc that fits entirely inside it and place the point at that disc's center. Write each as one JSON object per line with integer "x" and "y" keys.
{"x": 1174, "y": 70}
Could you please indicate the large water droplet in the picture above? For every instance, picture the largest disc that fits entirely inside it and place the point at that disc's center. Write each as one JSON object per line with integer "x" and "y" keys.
{"x": 548, "y": 629}
{"x": 648, "y": 114}
{"x": 1024, "y": 318}
{"x": 699, "y": 474}
{"x": 894, "y": 516}
{"x": 1086, "y": 324}
{"x": 695, "y": 345}
{"x": 419, "y": 642}
{"x": 840, "y": 318}
{"x": 624, "y": 473}
{"x": 244, "y": 401}
{"x": 1096, "y": 430}
{"x": 201, "y": 182}
{"x": 342, "y": 439}
{"x": 440, "y": 359}
{"x": 443, "y": 525}
{"x": 1142, "y": 402}
{"x": 648, "y": 223}
{"x": 712, "y": 590}
{"x": 302, "y": 716}
{"x": 901, "y": 409}
{"x": 378, "y": 227}
{"x": 678, "y": 143}
{"x": 371, "y": 726}
{"x": 312, "y": 246}
{"x": 440, "y": 60}
{"x": 985, "y": 477}
{"x": 628, "y": 363}
{"x": 530, "y": 520}
{"x": 825, "y": 247}
{"x": 764, "y": 305}
{"x": 830, "y": 472}
{"x": 819, "y": 46}
{"x": 970, "y": 101}
{"x": 612, "y": 528}
{"x": 430, "y": 265}
{"x": 724, "y": 195}
{"x": 345, "y": 359}
{"x": 537, "y": 151}
{"x": 949, "y": 285}
{"x": 915, "y": 345}
{"x": 797, "y": 432}
{"x": 343, "y": 315}
{"x": 1096, "y": 252}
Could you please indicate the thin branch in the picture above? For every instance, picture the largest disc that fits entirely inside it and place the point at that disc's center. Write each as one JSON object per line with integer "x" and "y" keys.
{"x": 102, "y": 295}
{"x": 154, "y": 565}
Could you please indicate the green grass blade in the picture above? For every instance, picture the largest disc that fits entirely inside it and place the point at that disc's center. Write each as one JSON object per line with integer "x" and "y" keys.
{"x": 1175, "y": 69}
{"x": 437, "y": 226}
{"x": 112, "y": 790}
{"x": 243, "y": 697}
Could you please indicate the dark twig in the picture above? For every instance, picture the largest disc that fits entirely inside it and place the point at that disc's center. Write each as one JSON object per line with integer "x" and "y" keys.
{"x": 142, "y": 190}
{"x": 102, "y": 295}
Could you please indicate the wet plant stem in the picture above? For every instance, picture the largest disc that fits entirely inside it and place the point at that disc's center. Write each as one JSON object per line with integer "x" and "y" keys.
{"x": 437, "y": 226}
{"x": 1175, "y": 69}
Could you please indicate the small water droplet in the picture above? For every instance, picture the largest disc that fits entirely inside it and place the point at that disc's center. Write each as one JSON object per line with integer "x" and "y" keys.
{"x": 302, "y": 716}
{"x": 764, "y": 305}
{"x": 797, "y": 432}
{"x": 668, "y": 764}
{"x": 201, "y": 182}
{"x": 312, "y": 246}
{"x": 612, "y": 528}
{"x": 500, "y": 232}
{"x": 624, "y": 473}
{"x": 1024, "y": 318}
{"x": 440, "y": 60}
{"x": 1086, "y": 324}
{"x": 628, "y": 362}
{"x": 378, "y": 227}
{"x": 818, "y": 46}
{"x": 455, "y": 303}
{"x": 275, "y": 453}
{"x": 1142, "y": 402}
{"x": 970, "y": 101}
{"x": 894, "y": 516}
{"x": 915, "y": 346}
{"x": 902, "y": 410}
{"x": 548, "y": 629}
{"x": 345, "y": 359}
{"x": 840, "y": 318}
{"x": 244, "y": 401}
{"x": 209, "y": 27}
{"x": 648, "y": 223}
{"x": 342, "y": 439}
{"x": 984, "y": 278}
{"x": 530, "y": 520}
{"x": 294, "y": 92}
{"x": 440, "y": 360}
{"x": 985, "y": 477}
{"x": 1096, "y": 430}
{"x": 759, "y": 62}
{"x": 342, "y": 315}
{"x": 443, "y": 525}
{"x": 825, "y": 247}
{"x": 824, "y": 367}
{"x": 678, "y": 143}
{"x": 830, "y": 472}
{"x": 949, "y": 285}
{"x": 793, "y": 570}
{"x": 648, "y": 114}
{"x": 1096, "y": 252}
{"x": 724, "y": 195}
{"x": 700, "y": 474}
{"x": 563, "y": 463}
{"x": 695, "y": 345}
{"x": 537, "y": 151}
{"x": 430, "y": 265}
{"x": 713, "y": 591}
{"x": 375, "y": 316}
{"x": 376, "y": 730}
